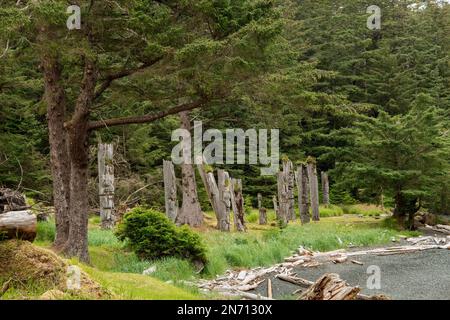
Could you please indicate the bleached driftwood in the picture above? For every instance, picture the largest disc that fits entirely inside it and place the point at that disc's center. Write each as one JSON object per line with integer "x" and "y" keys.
{"x": 18, "y": 225}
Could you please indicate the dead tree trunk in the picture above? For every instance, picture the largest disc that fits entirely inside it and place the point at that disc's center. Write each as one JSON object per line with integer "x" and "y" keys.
{"x": 313, "y": 188}
{"x": 190, "y": 212}
{"x": 301, "y": 176}
{"x": 170, "y": 190}
{"x": 237, "y": 204}
{"x": 18, "y": 225}
{"x": 106, "y": 185}
{"x": 225, "y": 199}
{"x": 325, "y": 188}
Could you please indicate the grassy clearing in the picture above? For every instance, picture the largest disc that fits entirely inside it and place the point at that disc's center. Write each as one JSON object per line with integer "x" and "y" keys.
{"x": 116, "y": 267}
{"x": 140, "y": 287}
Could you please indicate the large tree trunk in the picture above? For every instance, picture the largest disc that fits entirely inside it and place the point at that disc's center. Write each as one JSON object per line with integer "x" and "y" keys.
{"x": 18, "y": 225}
{"x": 59, "y": 156}
{"x": 170, "y": 190}
{"x": 303, "y": 193}
{"x": 78, "y": 129}
{"x": 190, "y": 212}
{"x": 313, "y": 188}
{"x": 325, "y": 188}
{"x": 106, "y": 185}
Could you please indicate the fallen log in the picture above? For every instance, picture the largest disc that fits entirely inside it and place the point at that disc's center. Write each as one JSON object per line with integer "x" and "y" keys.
{"x": 18, "y": 225}
{"x": 330, "y": 287}
{"x": 295, "y": 280}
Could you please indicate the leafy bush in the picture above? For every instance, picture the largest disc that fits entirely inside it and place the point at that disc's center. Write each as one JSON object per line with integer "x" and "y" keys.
{"x": 152, "y": 235}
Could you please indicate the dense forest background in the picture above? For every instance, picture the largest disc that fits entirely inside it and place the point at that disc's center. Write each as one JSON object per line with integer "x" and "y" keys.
{"x": 371, "y": 105}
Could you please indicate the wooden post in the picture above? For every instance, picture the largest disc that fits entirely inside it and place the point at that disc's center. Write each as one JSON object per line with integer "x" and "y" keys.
{"x": 106, "y": 185}
{"x": 225, "y": 200}
{"x": 170, "y": 190}
{"x": 303, "y": 193}
{"x": 313, "y": 188}
{"x": 212, "y": 190}
{"x": 286, "y": 192}
{"x": 237, "y": 204}
{"x": 275, "y": 205}
{"x": 262, "y": 216}
{"x": 325, "y": 188}
{"x": 190, "y": 212}
{"x": 261, "y": 211}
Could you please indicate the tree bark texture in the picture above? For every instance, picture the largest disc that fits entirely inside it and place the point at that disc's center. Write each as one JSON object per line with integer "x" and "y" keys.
{"x": 106, "y": 185}
{"x": 313, "y": 189}
{"x": 262, "y": 216}
{"x": 59, "y": 156}
{"x": 170, "y": 190}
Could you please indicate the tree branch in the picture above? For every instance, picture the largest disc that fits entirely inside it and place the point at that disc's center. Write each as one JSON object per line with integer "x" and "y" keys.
{"x": 122, "y": 74}
{"x": 147, "y": 118}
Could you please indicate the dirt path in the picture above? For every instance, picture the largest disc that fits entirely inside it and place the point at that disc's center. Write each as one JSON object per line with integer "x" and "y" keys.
{"x": 418, "y": 275}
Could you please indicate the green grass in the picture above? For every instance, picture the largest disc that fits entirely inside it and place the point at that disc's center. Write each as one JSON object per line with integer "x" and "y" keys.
{"x": 330, "y": 211}
{"x": 268, "y": 247}
{"x": 363, "y": 209}
{"x": 138, "y": 287}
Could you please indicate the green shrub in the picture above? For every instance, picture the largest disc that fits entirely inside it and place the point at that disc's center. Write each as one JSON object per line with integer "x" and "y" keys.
{"x": 152, "y": 235}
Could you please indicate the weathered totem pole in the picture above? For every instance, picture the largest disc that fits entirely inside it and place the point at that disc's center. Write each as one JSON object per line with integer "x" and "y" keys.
{"x": 313, "y": 187}
{"x": 170, "y": 190}
{"x": 301, "y": 177}
{"x": 106, "y": 185}
{"x": 325, "y": 188}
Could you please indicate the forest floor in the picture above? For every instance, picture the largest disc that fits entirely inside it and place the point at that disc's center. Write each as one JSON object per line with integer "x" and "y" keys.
{"x": 120, "y": 271}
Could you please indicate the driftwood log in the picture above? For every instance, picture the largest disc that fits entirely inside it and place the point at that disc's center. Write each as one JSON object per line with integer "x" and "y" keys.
{"x": 18, "y": 225}
{"x": 330, "y": 287}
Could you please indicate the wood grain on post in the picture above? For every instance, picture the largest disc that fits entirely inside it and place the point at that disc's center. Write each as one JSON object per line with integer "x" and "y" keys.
{"x": 313, "y": 188}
